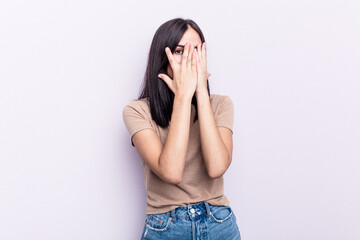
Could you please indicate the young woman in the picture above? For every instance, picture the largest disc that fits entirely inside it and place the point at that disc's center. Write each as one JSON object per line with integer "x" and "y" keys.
{"x": 184, "y": 138}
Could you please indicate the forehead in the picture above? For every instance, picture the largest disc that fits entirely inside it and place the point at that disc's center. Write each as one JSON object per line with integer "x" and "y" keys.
{"x": 190, "y": 36}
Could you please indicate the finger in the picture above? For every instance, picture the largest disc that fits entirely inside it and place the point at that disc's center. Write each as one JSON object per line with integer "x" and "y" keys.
{"x": 170, "y": 57}
{"x": 185, "y": 54}
{"x": 190, "y": 56}
{"x": 199, "y": 52}
{"x": 198, "y": 61}
{"x": 194, "y": 60}
{"x": 208, "y": 75}
{"x": 203, "y": 51}
{"x": 167, "y": 80}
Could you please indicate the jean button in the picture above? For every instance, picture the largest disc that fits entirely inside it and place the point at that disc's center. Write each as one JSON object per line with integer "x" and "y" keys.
{"x": 192, "y": 210}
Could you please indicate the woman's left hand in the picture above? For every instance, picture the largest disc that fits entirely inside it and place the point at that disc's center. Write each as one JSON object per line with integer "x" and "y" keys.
{"x": 202, "y": 74}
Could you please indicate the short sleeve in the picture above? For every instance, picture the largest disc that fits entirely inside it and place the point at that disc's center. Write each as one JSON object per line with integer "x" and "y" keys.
{"x": 224, "y": 115}
{"x": 135, "y": 119}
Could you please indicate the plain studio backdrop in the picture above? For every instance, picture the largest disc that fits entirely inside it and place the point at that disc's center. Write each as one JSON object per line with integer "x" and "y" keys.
{"x": 67, "y": 69}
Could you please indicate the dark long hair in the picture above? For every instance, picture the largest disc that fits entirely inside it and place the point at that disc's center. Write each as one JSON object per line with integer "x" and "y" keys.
{"x": 161, "y": 98}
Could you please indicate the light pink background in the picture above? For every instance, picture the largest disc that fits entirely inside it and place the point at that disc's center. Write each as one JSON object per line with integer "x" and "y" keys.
{"x": 67, "y": 68}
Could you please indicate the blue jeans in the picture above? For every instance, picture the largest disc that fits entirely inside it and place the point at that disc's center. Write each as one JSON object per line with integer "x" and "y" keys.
{"x": 192, "y": 222}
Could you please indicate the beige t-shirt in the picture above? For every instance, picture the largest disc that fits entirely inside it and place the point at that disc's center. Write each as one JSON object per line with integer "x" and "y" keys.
{"x": 196, "y": 185}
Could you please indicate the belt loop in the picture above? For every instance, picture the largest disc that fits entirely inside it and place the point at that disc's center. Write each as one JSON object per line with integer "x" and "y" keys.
{"x": 172, "y": 215}
{"x": 207, "y": 209}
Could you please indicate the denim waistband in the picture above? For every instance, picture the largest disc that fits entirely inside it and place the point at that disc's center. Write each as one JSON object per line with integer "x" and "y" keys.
{"x": 191, "y": 211}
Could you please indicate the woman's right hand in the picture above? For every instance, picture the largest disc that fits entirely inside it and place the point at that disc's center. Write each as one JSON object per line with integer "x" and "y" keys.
{"x": 185, "y": 75}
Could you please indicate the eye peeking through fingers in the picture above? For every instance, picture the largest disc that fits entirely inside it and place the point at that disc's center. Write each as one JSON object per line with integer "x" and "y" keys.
{"x": 179, "y": 51}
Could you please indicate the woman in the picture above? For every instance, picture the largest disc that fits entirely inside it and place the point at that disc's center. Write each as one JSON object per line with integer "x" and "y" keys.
{"x": 184, "y": 138}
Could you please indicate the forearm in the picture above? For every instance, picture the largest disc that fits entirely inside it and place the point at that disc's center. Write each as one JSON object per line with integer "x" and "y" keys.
{"x": 216, "y": 156}
{"x": 173, "y": 156}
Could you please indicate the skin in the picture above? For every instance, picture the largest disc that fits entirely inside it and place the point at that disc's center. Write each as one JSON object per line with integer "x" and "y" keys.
{"x": 186, "y": 75}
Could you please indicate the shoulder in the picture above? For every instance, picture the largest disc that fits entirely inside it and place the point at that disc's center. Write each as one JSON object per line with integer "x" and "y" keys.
{"x": 222, "y": 106}
{"x": 217, "y": 100}
{"x": 140, "y": 105}
{"x": 223, "y": 109}
{"x": 137, "y": 109}
{"x": 137, "y": 116}
{"x": 144, "y": 102}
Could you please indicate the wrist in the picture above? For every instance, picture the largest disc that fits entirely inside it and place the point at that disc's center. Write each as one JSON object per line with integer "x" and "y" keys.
{"x": 183, "y": 97}
{"x": 202, "y": 91}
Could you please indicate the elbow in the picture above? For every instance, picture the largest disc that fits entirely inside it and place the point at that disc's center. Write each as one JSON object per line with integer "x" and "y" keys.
{"x": 173, "y": 179}
{"x": 215, "y": 173}
{"x": 218, "y": 170}
{"x": 172, "y": 176}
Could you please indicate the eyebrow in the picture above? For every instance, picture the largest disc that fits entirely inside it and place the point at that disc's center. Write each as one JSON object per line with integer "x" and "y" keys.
{"x": 184, "y": 46}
